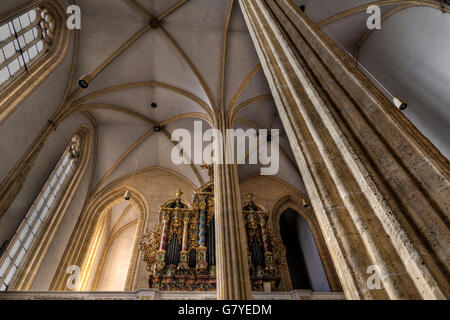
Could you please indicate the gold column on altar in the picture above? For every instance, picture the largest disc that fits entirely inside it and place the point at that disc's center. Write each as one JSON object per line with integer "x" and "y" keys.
{"x": 184, "y": 255}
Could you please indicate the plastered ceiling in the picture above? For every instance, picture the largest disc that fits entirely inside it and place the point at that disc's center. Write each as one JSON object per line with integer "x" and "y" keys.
{"x": 409, "y": 56}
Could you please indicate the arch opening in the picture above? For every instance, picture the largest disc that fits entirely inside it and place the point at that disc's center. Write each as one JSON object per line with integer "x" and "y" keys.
{"x": 302, "y": 256}
{"x": 119, "y": 231}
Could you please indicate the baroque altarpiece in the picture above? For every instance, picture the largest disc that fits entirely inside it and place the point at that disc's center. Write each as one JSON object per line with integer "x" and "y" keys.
{"x": 180, "y": 250}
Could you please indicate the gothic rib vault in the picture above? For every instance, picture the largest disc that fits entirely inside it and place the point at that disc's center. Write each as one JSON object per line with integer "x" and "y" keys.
{"x": 197, "y": 62}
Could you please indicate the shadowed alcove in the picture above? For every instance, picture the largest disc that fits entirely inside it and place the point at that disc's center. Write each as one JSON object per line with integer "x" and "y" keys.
{"x": 303, "y": 260}
{"x": 119, "y": 233}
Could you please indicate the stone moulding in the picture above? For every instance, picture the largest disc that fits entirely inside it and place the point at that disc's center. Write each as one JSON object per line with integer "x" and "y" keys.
{"x": 152, "y": 294}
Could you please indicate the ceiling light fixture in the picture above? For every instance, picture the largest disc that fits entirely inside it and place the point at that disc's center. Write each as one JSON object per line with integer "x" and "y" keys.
{"x": 83, "y": 83}
{"x": 401, "y": 105}
{"x": 305, "y": 204}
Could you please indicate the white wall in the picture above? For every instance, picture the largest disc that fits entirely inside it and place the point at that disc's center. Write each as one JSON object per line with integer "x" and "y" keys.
{"x": 410, "y": 56}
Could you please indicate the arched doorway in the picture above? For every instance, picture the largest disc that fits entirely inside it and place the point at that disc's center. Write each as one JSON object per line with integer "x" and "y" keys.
{"x": 304, "y": 263}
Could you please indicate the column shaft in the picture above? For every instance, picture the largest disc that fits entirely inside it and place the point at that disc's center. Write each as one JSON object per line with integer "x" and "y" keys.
{"x": 379, "y": 189}
{"x": 233, "y": 279}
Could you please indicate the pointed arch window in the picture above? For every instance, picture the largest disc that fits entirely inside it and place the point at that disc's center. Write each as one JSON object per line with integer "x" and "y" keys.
{"x": 23, "y": 40}
{"x": 32, "y": 225}
{"x": 33, "y": 41}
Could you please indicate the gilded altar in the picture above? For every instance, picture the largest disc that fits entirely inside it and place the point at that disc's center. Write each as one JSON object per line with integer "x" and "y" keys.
{"x": 180, "y": 250}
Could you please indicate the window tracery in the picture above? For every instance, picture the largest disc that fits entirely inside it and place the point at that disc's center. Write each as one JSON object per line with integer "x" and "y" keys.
{"x": 32, "y": 225}
{"x": 23, "y": 40}
{"x": 33, "y": 42}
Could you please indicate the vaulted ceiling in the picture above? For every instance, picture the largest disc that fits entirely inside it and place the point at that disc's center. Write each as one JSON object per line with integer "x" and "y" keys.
{"x": 202, "y": 51}
{"x": 185, "y": 53}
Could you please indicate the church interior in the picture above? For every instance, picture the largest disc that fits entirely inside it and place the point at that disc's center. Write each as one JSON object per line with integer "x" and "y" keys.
{"x": 92, "y": 205}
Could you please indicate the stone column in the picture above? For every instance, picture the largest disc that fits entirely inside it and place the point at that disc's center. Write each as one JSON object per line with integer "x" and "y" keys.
{"x": 379, "y": 188}
{"x": 233, "y": 279}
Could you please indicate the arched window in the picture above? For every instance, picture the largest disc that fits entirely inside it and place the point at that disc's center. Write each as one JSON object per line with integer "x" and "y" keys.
{"x": 33, "y": 41}
{"x": 23, "y": 40}
{"x": 41, "y": 216}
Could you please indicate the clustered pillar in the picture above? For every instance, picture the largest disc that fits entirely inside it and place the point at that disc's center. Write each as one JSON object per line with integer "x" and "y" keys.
{"x": 233, "y": 278}
{"x": 378, "y": 187}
